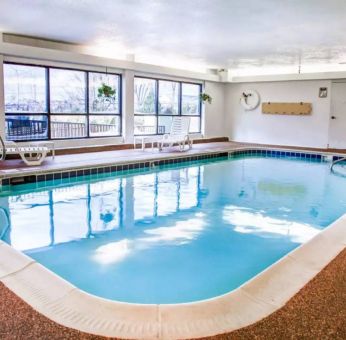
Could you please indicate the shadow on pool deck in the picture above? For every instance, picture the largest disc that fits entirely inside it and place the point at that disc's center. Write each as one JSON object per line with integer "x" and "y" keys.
{"x": 318, "y": 311}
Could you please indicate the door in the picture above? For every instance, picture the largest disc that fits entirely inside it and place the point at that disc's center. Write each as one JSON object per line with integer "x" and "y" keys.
{"x": 337, "y": 129}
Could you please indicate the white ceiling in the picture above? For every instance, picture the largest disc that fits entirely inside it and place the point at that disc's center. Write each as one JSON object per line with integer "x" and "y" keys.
{"x": 241, "y": 35}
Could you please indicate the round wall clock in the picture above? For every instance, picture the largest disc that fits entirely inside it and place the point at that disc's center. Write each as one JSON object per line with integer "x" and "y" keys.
{"x": 249, "y": 100}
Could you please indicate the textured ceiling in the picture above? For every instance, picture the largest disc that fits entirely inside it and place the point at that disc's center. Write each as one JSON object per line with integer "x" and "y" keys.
{"x": 191, "y": 33}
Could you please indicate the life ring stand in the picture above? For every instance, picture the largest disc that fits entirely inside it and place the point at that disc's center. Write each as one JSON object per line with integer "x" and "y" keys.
{"x": 247, "y": 104}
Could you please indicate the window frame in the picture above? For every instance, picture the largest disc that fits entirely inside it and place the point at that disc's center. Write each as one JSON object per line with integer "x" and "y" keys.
{"x": 157, "y": 95}
{"x": 87, "y": 113}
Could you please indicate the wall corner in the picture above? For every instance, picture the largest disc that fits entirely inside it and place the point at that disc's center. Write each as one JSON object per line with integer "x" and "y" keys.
{"x": 2, "y": 97}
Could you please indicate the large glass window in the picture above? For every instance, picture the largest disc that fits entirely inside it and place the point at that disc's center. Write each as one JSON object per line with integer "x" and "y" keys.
{"x": 25, "y": 89}
{"x": 52, "y": 103}
{"x": 63, "y": 127}
{"x": 99, "y": 103}
{"x": 104, "y": 125}
{"x": 25, "y": 102}
{"x": 145, "y": 96}
{"x": 157, "y": 101}
{"x": 168, "y": 97}
{"x": 190, "y": 100}
{"x": 67, "y": 91}
{"x": 145, "y": 125}
{"x": 24, "y": 127}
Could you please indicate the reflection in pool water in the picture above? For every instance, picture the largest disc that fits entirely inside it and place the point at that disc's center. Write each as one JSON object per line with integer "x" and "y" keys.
{"x": 174, "y": 235}
{"x": 248, "y": 221}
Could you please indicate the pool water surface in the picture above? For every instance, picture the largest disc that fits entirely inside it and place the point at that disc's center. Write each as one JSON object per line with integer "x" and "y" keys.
{"x": 176, "y": 234}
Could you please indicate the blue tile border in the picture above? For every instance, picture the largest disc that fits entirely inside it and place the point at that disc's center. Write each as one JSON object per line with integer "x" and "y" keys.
{"x": 74, "y": 175}
{"x": 277, "y": 154}
{"x": 59, "y": 176}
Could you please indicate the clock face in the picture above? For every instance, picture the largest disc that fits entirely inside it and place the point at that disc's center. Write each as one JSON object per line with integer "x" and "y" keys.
{"x": 249, "y": 99}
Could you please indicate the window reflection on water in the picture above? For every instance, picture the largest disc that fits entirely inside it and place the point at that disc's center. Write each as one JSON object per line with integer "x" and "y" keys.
{"x": 72, "y": 212}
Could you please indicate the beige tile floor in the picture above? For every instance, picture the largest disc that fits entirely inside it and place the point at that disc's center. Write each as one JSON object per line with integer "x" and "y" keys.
{"x": 100, "y": 158}
{"x": 9, "y": 167}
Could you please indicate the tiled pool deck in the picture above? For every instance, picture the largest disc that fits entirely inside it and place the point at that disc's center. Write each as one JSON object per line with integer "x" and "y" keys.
{"x": 97, "y": 159}
{"x": 299, "y": 267}
{"x": 318, "y": 311}
{"x": 74, "y": 165}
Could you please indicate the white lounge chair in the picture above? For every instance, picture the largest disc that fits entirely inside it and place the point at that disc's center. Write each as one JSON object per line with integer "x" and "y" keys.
{"x": 31, "y": 153}
{"x": 179, "y": 134}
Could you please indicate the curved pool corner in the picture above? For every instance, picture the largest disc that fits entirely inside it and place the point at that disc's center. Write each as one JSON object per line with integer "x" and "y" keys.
{"x": 265, "y": 293}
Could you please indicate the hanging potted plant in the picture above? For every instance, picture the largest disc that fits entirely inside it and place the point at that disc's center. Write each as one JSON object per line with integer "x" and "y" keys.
{"x": 206, "y": 98}
{"x": 105, "y": 91}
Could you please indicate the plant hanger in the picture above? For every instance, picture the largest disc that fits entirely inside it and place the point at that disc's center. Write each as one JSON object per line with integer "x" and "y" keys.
{"x": 105, "y": 90}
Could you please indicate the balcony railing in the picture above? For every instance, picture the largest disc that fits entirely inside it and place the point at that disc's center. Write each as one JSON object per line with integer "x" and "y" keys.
{"x": 67, "y": 130}
{"x": 75, "y": 130}
{"x": 20, "y": 129}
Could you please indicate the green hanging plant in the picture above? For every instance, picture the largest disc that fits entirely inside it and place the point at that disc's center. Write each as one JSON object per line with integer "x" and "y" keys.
{"x": 206, "y": 98}
{"x": 105, "y": 91}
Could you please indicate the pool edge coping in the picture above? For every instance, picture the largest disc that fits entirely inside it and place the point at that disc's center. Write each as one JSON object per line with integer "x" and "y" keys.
{"x": 166, "y": 156}
{"x": 257, "y": 298}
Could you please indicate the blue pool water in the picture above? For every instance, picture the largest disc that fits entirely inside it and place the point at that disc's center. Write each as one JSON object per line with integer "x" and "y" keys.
{"x": 177, "y": 234}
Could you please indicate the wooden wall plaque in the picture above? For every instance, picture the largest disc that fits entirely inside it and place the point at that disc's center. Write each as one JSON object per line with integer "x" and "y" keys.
{"x": 297, "y": 109}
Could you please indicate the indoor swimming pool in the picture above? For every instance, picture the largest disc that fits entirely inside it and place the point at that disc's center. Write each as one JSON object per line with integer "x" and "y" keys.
{"x": 176, "y": 233}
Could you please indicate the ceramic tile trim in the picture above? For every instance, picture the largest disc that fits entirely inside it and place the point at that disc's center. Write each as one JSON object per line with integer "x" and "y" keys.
{"x": 73, "y": 173}
{"x": 66, "y": 304}
{"x": 120, "y": 167}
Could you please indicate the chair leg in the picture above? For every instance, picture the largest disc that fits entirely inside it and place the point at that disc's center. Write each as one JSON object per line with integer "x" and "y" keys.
{"x": 33, "y": 159}
{"x": 189, "y": 141}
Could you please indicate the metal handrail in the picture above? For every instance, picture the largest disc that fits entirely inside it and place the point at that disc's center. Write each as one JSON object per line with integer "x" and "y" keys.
{"x": 3, "y": 148}
{"x": 3, "y": 233}
{"x": 336, "y": 162}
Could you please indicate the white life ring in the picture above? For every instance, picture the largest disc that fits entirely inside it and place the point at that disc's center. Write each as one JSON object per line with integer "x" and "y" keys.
{"x": 249, "y": 99}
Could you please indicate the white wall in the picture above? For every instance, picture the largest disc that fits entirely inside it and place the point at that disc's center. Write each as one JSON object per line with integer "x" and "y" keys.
{"x": 56, "y": 55}
{"x": 214, "y": 113}
{"x": 128, "y": 105}
{"x": 255, "y": 127}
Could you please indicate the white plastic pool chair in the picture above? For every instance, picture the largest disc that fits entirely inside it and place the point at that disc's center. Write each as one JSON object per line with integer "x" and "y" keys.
{"x": 32, "y": 153}
{"x": 179, "y": 134}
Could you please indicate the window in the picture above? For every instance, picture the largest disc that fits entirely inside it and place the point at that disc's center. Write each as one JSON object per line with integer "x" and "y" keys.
{"x": 25, "y": 102}
{"x": 145, "y": 125}
{"x": 67, "y": 91}
{"x": 190, "y": 101}
{"x": 52, "y": 103}
{"x": 168, "y": 97}
{"x": 157, "y": 101}
{"x": 68, "y": 126}
{"x": 145, "y": 96}
{"x": 100, "y": 104}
